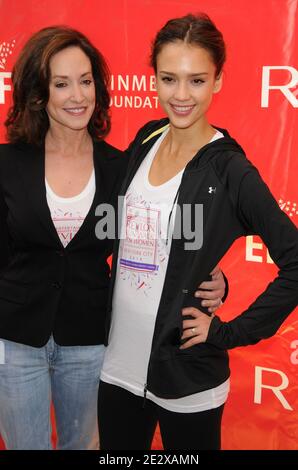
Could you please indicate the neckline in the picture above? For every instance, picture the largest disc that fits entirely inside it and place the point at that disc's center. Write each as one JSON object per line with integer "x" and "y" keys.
{"x": 153, "y": 152}
{"x": 66, "y": 200}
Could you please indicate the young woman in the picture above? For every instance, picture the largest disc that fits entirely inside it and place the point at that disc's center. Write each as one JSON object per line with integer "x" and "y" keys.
{"x": 54, "y": 276}
{"x": 166, "y": 360}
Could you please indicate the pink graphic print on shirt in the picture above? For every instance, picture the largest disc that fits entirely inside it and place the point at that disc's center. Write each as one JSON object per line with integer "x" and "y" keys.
{"x": 67, "y": 224}
{"x": 141, "y": 251}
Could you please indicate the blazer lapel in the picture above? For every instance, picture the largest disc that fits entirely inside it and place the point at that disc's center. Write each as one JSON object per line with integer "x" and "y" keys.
{"x": 107, "y": 186}
{"x": 32, "y": 174}
{"x": 88, "y": 224}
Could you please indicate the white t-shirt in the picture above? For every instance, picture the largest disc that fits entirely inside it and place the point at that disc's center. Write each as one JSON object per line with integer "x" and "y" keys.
{"x": 69, "y": 213}
{"x": 142, "y": 263}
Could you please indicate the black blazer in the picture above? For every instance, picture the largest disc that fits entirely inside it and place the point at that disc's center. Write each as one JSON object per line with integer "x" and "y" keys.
{"x": 44, "y": 287}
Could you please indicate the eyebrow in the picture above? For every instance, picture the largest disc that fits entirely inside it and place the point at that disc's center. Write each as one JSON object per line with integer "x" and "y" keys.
{"x": 190, "y": 75}
{"x": 66, "y": 76}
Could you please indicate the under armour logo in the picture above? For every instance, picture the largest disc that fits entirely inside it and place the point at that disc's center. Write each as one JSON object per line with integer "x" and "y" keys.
{"x": 211, "y": 190}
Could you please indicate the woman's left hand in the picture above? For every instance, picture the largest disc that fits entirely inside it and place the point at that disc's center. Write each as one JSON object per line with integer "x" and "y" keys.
{"x": 215, "y": 290}
{"x": 195, "y": 329}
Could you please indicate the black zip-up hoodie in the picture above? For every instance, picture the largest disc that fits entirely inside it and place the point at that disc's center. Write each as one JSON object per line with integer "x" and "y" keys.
{"x": 238, "y": 204}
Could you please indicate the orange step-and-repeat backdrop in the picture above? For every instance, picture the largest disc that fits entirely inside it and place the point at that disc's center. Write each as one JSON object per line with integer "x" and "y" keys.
{"x": 258, "y": 104}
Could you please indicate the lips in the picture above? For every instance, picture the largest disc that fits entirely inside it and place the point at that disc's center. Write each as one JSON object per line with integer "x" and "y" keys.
{"x": 182, "y": 110}
{"x": 76, "y": 111}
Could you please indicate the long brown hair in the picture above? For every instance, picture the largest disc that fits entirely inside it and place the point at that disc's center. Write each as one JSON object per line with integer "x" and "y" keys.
{"x": 27, "y": 119}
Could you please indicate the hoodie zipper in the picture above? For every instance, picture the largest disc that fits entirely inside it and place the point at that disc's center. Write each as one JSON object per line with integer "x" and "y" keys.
{"x": 145, "y": 395}
{"x": 170, "y": 215}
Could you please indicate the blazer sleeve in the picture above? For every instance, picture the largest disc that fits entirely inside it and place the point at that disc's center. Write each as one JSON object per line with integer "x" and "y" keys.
{"x": 4, "y": 237}
{"x": 260, "y": 214}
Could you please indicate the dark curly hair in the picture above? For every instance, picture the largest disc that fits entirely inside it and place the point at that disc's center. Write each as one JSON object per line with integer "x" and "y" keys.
{"x": 27, "y": 119}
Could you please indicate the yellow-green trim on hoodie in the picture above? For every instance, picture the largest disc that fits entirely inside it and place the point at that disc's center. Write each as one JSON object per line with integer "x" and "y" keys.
{"x": 158, "y": 131}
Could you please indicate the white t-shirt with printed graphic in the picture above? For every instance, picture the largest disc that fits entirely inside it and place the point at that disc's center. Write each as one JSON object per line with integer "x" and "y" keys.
{"x": 69, "y": 213}
{"x": 142, "y": 263}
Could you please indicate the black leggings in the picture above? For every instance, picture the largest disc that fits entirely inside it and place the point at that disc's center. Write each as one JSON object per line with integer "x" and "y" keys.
{"x": 124, "y": 424}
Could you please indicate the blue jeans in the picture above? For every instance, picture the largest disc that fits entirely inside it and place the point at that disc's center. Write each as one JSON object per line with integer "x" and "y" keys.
{"x": 30, "y": 378}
